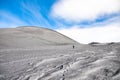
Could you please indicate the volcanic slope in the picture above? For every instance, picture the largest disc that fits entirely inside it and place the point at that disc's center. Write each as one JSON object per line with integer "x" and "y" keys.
{"x": 31, "y": 36}
{"x": 31, "y": 53}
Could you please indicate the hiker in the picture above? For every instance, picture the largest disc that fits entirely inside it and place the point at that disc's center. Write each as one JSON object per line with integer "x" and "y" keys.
{"x": 73, "y": 46}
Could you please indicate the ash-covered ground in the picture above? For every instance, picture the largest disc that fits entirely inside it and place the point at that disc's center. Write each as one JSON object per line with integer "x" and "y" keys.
{"x": 29, "y": 53}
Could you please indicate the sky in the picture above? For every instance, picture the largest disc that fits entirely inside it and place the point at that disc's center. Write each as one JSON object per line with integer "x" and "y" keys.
{"x": 82, "y": 20}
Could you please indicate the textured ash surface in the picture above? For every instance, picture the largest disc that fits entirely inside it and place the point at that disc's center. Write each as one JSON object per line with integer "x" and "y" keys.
{"x": 29, "y": 53}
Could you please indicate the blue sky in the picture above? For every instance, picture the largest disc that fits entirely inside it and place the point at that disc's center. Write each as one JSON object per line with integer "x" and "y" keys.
{"x": 61, "y": 15}
{"x": 26, "y": 13}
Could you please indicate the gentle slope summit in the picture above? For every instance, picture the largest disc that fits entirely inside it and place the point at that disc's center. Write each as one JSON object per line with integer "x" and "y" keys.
{"x": 31, "y": 37}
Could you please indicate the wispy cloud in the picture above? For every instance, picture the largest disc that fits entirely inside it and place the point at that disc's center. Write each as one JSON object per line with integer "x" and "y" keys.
{"x": 9, "y": 20}
{"x": 35, "y": 13}
{"x": 24, "y": 13}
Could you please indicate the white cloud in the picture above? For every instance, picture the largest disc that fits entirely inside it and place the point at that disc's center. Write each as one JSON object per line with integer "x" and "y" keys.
{"x": 77, "y": 10}
{"x": 106, "y": 33}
